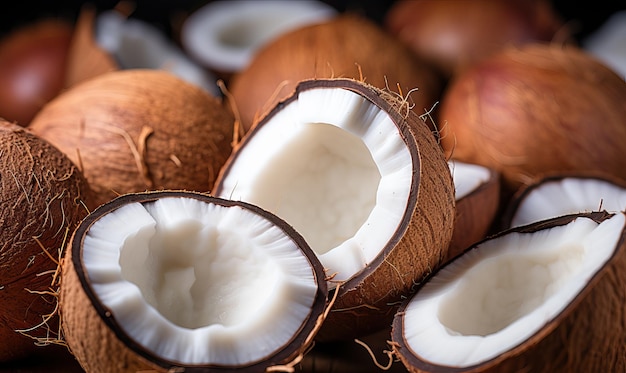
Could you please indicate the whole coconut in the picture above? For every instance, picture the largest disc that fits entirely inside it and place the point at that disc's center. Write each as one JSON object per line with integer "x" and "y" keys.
{"x": 139, "y": 129}
{"x": 345, "y": 46}
{"x": 455, "y": 34}
{"x": 43, "y": 197}
{"x": 535, "y": 110}
{"x": 32, "y": 67}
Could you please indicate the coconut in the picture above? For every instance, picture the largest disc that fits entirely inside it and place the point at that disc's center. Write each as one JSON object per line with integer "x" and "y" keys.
{"x": 345, "y": 46}
{"x": 477, "y": 194}
{"x": 44, "y": 196}
{"x": 137, "y": 130}
{"x": 33, "y": 57}
{"x": 454, "y": 35}
{"x": 555, "y": 195}
{"x": 536, "y": 109}
{"x": 544, "y": 297}
{"x": 183, "y": 281}
{"x": 364, "y": 180}
{"x": 113, "y": 40}
{"x": 224, "y": 35}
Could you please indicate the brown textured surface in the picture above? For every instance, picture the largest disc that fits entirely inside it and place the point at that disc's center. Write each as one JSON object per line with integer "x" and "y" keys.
{"x": 43, "y": 197}
{"x": 137, "y": 130}
{"x": 348, "y": 46}
{"x": 536, "y": 110}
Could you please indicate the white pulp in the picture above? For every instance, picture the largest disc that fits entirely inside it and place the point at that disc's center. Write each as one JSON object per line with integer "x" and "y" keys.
{"x": 333, "y": 165}
{"x": 502, "y": 292}
{"x": 225, "y": 35}
{"x": 199, "y": 283}
{"x": 467, "y": 177}
{"x": 137, "y": 44}
{"x": 569, "y": 195}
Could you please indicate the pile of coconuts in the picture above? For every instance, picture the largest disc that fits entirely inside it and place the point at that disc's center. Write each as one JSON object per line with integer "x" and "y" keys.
{"x": 344, "y": 204}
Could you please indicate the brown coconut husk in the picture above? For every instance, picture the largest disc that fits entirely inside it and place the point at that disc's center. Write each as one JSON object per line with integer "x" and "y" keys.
{"x": 138, "y": 130}
{"x": 86, "y": 59}
{"x": 43, "y": 197}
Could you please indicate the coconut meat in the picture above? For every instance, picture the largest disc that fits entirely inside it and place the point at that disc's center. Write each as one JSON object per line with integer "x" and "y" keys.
{"x": 198, "y": 283}
{"x": 467, "y": 177}
{"x": 225, "y": 35}
{"x": 569, "y": 195}
{"x": 502, "y": 292}
{"x": 333, "y": 165}
{"x": 136, "y": 44}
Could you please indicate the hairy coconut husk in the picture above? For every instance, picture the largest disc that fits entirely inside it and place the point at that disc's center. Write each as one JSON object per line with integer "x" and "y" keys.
{"x": 346, "y": 46}
{"x": 589, "y": 335}
{"x": 43, "y": 197}
{"x": 534, "y": 110}
{"x": 137, "y": 130}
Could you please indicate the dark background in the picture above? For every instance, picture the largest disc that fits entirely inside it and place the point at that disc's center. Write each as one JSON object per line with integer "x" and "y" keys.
{"x": 583, "y": 16}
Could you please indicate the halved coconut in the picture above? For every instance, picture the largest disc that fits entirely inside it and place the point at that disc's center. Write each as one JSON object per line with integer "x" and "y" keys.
{"x": 181, "y": 281}
{"x": 477, "y": 194}
{"x": 556, "y": 195}
{"x": 545, "y": 297}
{"x": 224, "y": 35}
{"x": 111, "y": 40}
{"x": 363, "y": 179}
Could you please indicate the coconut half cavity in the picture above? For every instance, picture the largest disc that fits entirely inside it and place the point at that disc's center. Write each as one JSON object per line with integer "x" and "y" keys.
{"x": 225, "y": 35}
{"x": 503, "y": 296}
{"x": 188, "y": 280}
{"x": 566, "y": 194}
{"x": 333, "y": 165}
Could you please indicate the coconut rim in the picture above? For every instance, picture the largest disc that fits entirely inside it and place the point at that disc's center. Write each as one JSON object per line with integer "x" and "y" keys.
{"x": 216, "y": 18}
{"x": 412, "y": 358}
{"x": 523, "y": 192}
{"x": 484, "y": 183}
{"x": 375, "y": 97}
{"x": 282, "y": 355}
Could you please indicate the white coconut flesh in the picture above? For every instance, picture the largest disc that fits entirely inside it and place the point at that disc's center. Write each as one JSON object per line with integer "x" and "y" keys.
{"x": 136, "y": 44}
{"x": 567, "y": 196}
{"x": 334, "y": 166}
{"x": 198, "y": 283}
{"x": 467, "y": 177}
{"x": 505, "y": 290}
{"x": 225, "y": 35}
